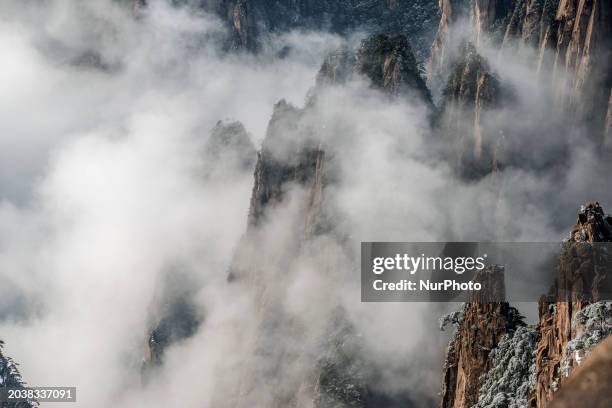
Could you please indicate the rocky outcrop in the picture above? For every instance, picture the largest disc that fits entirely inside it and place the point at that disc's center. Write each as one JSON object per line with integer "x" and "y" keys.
{"x": 571, "y": 38}
{"x": 480, "y": 329}
{"x": 441, "y": 56}
{"x": 293, "y": 171}
{"x": 11, "y": 378}
{"x": 589, "y": 385}
{"x": 250, "y": 21}
{"x": 494, "y": 360}
{"x": 177, "y": 322}
{"x": 583, "y": 277}
{"x": 490, "y": 18}
{"x": 229, "y": 151}
{"x": 584, "y": 41}
{"x": 388, "y": 61}
{"x": 241, "y": 22}
{"x": 337, "y": 68}
{"x": 471, "y": 91}
{"x": 174, "y": 318}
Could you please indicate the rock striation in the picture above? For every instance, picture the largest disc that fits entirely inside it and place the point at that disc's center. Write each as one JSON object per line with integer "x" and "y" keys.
{"x": 472, "y": 91}
{"x": 482, "y": 326}
{"x": 589, "y": 385}
{"x": 583, "y": 276}
{"x": 492, "y": 348}
{"x": 442, "y": 50}
{"x": 250, "y": 20}
{"x": 293, "y": 171}
{"x": 568, "y": 41}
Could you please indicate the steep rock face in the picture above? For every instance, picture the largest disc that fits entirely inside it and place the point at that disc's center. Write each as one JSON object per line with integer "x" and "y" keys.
{"x": 294, "y": 170}
{"x": 589, "y": 385}
{"x": 451, "y": 11}
{"x": 10, "y": 377}
{"x": 584, "y": 42}
{"x": 173, "y": 317}
{"x": 250, "y": 19}
{"x": 583, "y": 277}
{"x": 391, "y": 66}
{"x": 471, "y": 91}
{"x": 337, "y": 68}
{"x": 178, "y": 321}
{"x": 229, "y": 150}
{"x": 241, "y": 22}
{"x": 479, "y": 331}
{"x": 490, "y": 17}
{"x": 283, "y": 161}
{"x": 493, "y": 362}
{"x": 572, "y": 40}
{"x": 578, "y": 35}
{"x": 386, "y": 60}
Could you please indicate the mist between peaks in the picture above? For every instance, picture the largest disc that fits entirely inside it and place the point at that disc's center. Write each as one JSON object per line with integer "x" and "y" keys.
{"x": 413, "y": 264}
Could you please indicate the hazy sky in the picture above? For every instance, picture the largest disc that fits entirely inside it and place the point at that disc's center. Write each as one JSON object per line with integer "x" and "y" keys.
{"x": 103, "y": 118}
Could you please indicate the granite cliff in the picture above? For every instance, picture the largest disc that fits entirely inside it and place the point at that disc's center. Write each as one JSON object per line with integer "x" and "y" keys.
{"x": 491, "y": 363}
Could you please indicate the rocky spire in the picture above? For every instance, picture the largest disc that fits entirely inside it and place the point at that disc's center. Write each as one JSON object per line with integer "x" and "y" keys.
{"x": 493, "y": 348}
{"x": 451, "y": 11}
{"x": 387, "y": 60}
{"x": 589, "y": 385}
{"x": 229, "y": 150}
{"x": 573, "y": 41}
{"x": 583, "y": 279}
{"x": 471, "y": 91}
{"x": 480, "y": 326}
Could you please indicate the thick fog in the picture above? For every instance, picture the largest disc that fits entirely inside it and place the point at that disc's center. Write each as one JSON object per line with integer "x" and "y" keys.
{"x": 104, "y": 118}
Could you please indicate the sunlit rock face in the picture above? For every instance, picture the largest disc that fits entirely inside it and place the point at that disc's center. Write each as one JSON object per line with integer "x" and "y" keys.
{"x": 295, "y": 169}
{"x": 496, "y": 360}
{"x": 589, "y": 385}
{"x": 583, "y": 280}
{"x": 481, "y": 327}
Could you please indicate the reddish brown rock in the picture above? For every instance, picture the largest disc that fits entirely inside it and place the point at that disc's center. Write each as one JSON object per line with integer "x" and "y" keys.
{"x": 582, "y": 278}
{"x": 589, "y": 385}
{"x": 482, "y": 327}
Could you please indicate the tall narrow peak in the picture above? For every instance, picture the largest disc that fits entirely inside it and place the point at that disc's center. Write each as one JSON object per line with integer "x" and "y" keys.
{"x": 242, "y": 26}
{"x": 490, "y": 18}
{"x": 480, "y": 327}
{"x": 293, "y": 172}
{"x": 472, "y": 90}
{"x": 451, "y": 12}
{"x": 583, "y": 280}
{"x": 387, "y": 60}
{"x": 572, "y": 39}
{"x": 415, "y": 19}
{"x": 589, "y": 385}
{"x": 584, "y": 47}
